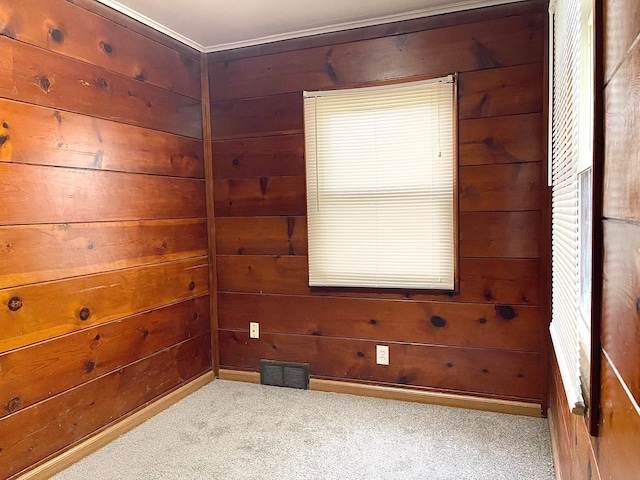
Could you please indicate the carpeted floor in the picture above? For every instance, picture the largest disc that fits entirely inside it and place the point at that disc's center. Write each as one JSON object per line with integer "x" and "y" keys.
{"x": 231, "y": 430}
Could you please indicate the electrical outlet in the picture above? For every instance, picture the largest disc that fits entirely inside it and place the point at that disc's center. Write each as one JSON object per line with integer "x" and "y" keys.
{"x": 254, "y": 330}
{"x": 382, "y": 354}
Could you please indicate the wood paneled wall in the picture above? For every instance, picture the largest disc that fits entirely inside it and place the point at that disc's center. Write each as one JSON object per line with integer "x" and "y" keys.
{"x": 104, "y": 299}
{"x": 485, "y": 340}
{"x": 614, "y": 453}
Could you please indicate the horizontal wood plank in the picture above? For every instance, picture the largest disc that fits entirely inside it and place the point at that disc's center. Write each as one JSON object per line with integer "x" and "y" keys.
{"x": 510, "y": 281}
{"x": 54, "y": 25}
{"x": 37, "y": 253}
{"x": 35, "y": 433}
{"x": 622, "y": 118}
{"x": 61, "y": 82}
{"x": 261, "y": 235}
{"x": 620, "y": 32}
{"x": 511, "y": 40}
{"x": 483, "y": 93}
{"x": 260, "y": 196}
{"x": 500, "y": 234}
{"x": 501, "y": 280}
{"x": 573, "y": 453}
{"x": 276, "y": 156}
{"x": 619, "y": 435}
{"x": 507, "y": 139}
{"x": 37, "y": 312}
{"x": 87, "y": 354}
{"x": 489, "y": 372}
{"x": 435, "y": 323}
{"x": 500, "y": 187}
{"x": 263, "y": 116}
{"x": 38, "y": 194}
{"x": 500, "y": 91}
{"x": 44, "y": 136}
{"x": 380, "y": 30}
{"x": 621, "y": 301}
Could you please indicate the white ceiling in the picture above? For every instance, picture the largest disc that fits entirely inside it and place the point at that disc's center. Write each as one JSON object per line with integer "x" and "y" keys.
{"x": 213, "y": 25}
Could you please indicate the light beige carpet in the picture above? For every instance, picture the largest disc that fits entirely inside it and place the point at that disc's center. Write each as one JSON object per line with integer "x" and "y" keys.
{"x": 230, "y": 430}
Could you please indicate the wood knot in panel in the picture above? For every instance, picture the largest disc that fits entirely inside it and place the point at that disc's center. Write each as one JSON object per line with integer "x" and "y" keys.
{"x": 331, "y": 72}
{"x": 290, "y": 226}
{"x": 3, "y": 139}
{"x": 14, "y": 404}
{"x": 57, "y": 35}
{"x": 437, "y": 321}
{"x": 483, "y": 320}
{"x": 192, "y": 286}
{"x": 90, "y": 366}
{"x": 5, "y": 125}
{"x": 106, "y": 47}
{"x": 195, "y": 315}
{"x": 102, "y": 83}
{"x": 373, "y": 321}
{"x": 45, "y": 84}
{"x": 505, "y": 311}
{"x": 84, "y": 314}
{"x": 140, "y": 77}
{"x": 263, "y": 185}
{"x": 361, "y": 355}
{"x": 14, "y": 304}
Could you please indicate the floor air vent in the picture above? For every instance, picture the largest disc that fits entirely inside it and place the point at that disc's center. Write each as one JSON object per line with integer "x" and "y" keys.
{"x": 284, "y": 374}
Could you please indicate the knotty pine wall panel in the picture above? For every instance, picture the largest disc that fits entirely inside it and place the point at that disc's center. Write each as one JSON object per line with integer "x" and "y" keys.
{"x": 90, "y": 353}
{"x": 104, "y": 270}
{"x": 54, "y": 80}
{"x": 488, "y": 372}
{"x": 49, "y": 251}
{"x": 33, "y": 434}
{"x": 612, "y": 454}
{"x": 44, "y": 136}
{"x": 499, "y": 42}
{"x": 490, "y": 332}
{"x": 53, "y": 25}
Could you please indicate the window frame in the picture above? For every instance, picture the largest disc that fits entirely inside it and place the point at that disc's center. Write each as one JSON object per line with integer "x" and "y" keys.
{"x": 590, "y": 159}
{"x": 404, "y": 291}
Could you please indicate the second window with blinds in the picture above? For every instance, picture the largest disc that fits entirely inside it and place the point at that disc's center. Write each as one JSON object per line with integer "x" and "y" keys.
{"x": 381, "y": 175}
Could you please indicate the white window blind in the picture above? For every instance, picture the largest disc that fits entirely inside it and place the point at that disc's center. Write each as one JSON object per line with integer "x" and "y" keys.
{"x": 565, "y": 142}
{"x": 380, "y": 185}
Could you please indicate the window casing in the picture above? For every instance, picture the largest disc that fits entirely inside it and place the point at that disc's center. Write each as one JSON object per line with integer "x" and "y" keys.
{"x": 571, "y": 160}
{"x": 381, "y": 186}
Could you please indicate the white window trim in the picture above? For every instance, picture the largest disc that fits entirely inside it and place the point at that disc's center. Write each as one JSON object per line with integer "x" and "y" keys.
{"x": 346, "y": 194}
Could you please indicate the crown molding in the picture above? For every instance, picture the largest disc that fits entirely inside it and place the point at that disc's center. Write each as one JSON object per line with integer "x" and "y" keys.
{"x": 337, "y": 27}
{"x": 129, "y": 12}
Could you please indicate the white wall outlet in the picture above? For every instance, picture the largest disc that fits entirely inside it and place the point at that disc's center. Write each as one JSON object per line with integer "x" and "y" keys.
{"x": 254, "y": 330}
{"x": 382, "y": 354}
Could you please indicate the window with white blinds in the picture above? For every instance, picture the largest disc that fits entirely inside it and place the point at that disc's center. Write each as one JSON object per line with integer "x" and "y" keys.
{"x": 381, "y": 169}
{"x": 570, "y": 153}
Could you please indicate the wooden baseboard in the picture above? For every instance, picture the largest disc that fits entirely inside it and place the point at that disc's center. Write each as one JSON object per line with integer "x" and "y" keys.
{"x": 392, "y": 393}
{"x": 99, "y": 440}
